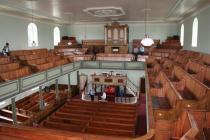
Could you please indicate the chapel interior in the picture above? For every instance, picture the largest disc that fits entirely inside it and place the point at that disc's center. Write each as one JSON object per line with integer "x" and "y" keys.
{"x": 105, "y": 70}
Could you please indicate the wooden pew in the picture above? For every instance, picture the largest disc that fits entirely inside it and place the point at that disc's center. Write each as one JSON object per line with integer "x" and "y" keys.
{"x": 166, "y": 104}
{"x": 20, "y": 117}
{"x": 4, "y": 60}
{"x": 42, "y": 67}
{"x": 194, "y": 93}
{"x": 74, "y": 58}
{"x": 185, "y": 127}
{"x": 9, "y": 67}
{"x": 205, "y": 59}
{"x": 30, "y": 133}
{"x": 195, "y": 69}
{"x": 114, "y": 57}
{"x": 15, "y": 74}
{"x": 60, "y": 62}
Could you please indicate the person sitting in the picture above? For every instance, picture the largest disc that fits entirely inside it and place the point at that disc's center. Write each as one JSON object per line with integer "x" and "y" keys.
{"x": 103, "y": 97}
{"x": 141, "y": 50}
{"x": 136, "y": 52}
{"x": 6, "y": 49}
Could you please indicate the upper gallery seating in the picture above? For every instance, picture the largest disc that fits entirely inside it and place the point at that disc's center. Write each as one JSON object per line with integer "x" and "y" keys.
{"x": 87, "y": 57}
{"x": 15, "y": 74}
{"x": 4, "y": 60}
{"x": 94, "y": 46}
{"x": 204, "y": 59}
{"x": 93, "y": 117}
{"x": 70, "y": 51}
{"x": 171, "y": 43}
{"x": 27, "y": 52}
{"x": 67, "y": 42}
{"x": 159, "y": 53}
{"x": 115, "y": 57}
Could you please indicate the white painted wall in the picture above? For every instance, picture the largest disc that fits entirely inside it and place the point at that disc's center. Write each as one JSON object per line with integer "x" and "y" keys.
{"x": 203, "y": 31}
{"x": 136, "y": 31}
{"x": 14, "y": 30}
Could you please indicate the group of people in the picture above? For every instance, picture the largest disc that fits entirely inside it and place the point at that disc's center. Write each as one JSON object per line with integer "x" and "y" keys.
{"x": 6, "y": 50}
{"x": 92, "y": 95}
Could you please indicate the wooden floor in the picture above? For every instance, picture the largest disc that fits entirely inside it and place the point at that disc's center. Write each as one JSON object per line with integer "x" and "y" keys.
{"x": 95, "y": 118}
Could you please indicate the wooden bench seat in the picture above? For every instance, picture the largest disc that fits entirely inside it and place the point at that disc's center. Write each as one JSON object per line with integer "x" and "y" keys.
{"x": 68, "y": 121}
{"x": 5, "y": 60}
{"x": 75, "y": 58}
{"x": 68, "y": 115}
{"x": 177, "y": 74}
{"x": 116, "y": 115}
{"x": 106, "y": 131}
{"x": 64, "y": 126}
{"x": 206, "y": 79}
{"x": 111, "y": 125}
{"x": 165, "y": 101}
{"x": 60, "y": 62}
{"x": 15, "y": 74}
{"x": 9, "y": 67}
{"x": 8, "y": 113}
{"x": 205, "y": 59}
{"x": 114, "y": 120}
{"x": 43, "y": 67}
{"x": 35, "y": 61}
{"x": 160, "y": 103}
{"x": 194, "y": 93}
{"x": 114, "y": 57}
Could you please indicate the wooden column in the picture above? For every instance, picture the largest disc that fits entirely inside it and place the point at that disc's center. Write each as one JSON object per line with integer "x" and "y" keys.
{"x": 14, "y": 115}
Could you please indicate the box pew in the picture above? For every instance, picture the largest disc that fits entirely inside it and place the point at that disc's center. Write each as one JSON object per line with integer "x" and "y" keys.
{"x": 185, "y": 127}
{"x": 35, "y": 61}
{"x": 115, "y": 57}
{"x": 194, "y": 93}
{"x": 195, "y": 69}
{"x": 206, "y": 79}
{"x": 156, "y": 85}
{"x": 205, "y": 59}
{"x": 5, "y": 60}
{"x": 42, "y": 67}
{"x": 15, "y": 74}
{"x": 9, "y": 67}
{"x": 20, "y": 117}
{"x": 177, "y": 76}
{"x": 166, "y": 104}
{"x": 60, "y": 62}
{"x": 79, "y": 58}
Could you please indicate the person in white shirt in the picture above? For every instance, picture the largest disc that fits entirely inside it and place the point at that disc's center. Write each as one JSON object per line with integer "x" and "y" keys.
{"x": 103, "y": 97}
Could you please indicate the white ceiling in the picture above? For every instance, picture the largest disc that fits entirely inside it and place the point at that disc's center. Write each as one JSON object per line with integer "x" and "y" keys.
{"x": 71, "y": 11}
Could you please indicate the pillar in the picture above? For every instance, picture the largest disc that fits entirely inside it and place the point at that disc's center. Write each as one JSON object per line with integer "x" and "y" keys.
{"x": 14, "y": 115}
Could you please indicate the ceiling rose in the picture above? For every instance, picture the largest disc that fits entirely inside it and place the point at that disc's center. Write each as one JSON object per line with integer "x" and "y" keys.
{"x": 105, "y": 11}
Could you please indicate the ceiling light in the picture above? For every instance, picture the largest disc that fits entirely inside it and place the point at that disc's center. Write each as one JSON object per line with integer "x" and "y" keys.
{"x": 146, "y": 41}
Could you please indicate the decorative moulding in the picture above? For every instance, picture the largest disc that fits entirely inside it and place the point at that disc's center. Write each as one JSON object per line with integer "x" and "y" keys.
{"x": 105, "y": 11}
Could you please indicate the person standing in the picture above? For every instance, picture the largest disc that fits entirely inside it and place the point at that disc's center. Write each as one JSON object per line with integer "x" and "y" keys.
{"x": 92, "y": 94}
{"x": 141, "y": 50}
{"x": 6, "y": 49}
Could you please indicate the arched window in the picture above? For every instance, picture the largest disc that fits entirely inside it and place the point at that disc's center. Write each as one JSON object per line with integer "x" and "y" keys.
{"x": 195, "y": 33}
{"x": 32, "y": 35}
{"x": 56, "y": 36}
{"x": 182, "y": 35}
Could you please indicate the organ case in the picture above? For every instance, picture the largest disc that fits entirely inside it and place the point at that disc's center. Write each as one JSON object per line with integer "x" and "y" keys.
{"x": 116, "y": 38}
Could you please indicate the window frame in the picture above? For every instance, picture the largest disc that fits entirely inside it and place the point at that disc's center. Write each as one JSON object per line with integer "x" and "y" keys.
{"x": 32, "y": 35}
{"x": 195, "y": 32}
{"x": 56, "y": 35}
